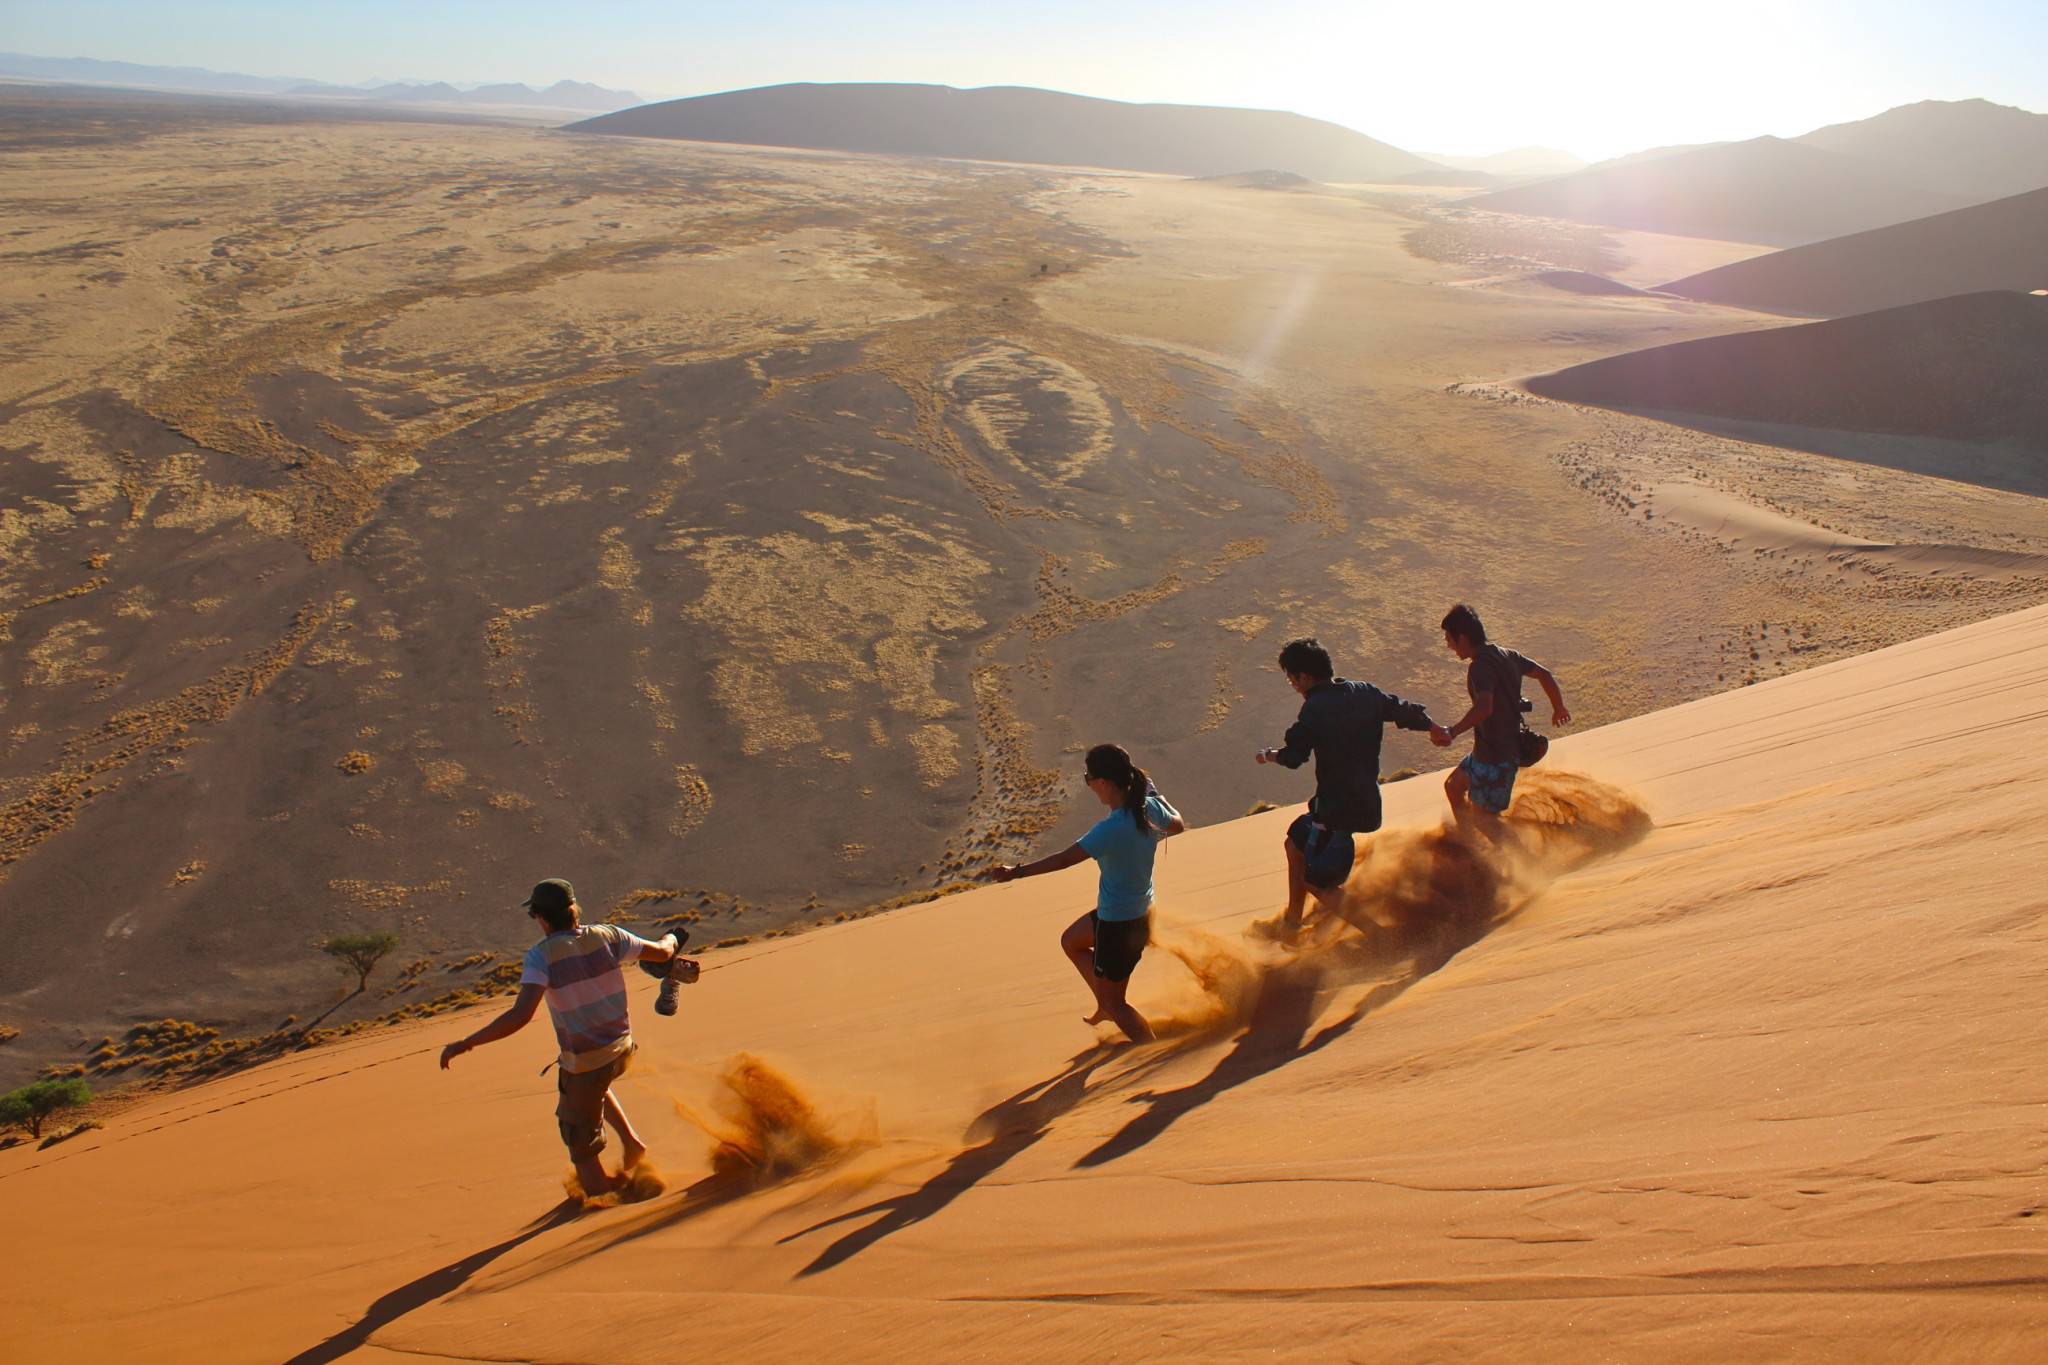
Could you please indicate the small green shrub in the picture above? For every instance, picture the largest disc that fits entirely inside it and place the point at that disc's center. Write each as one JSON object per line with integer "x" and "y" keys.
{"x": 29, "y": 1106}
{"x": 360, "y": 953}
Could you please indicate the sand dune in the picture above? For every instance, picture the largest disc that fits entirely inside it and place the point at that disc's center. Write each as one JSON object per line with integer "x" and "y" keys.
{"x": 986, "y": 462}
{"x": 1584, "y": 282}
{"x": 1767, "y": 190}
{"x": 1007, "y": 123}
{"x": 1962, "y": 369}
{"x": 1767, "y": 1067}
{"x": 1983, "y": 247}
{"x": 1265, "y": 180}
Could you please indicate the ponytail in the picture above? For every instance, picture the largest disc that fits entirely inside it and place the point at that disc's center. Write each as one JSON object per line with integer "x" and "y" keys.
{"x": 1109, "y": 763}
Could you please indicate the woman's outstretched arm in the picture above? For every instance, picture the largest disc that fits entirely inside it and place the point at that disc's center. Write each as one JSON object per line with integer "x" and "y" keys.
{"x": 1067, "y": 857}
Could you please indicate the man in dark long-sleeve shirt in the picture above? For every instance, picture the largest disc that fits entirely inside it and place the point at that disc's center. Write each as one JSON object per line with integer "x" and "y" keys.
{"x": 1341, "y": 723}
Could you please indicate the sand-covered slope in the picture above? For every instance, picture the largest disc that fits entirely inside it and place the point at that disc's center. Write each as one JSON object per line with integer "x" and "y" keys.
{"x": 1761, "y": 1080}
{"x": 1014, "y": 123}
{"x": 1767, "y": 190}
{"x": 1963, "y": 369}
{"x": 2000, "y": 245}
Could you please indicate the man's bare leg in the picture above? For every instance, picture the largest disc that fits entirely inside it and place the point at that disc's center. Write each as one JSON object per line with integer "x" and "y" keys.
{"x": 592, "y": 1178}
{"x": 1335, "y": 907}
{"x": 1297, "y": 890}
{"x": 1456, "y": 789}
{"x": 631, "y": 1148}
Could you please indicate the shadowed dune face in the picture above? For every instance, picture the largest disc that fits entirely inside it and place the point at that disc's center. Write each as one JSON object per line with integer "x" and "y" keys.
{"x": 398, "y": 513}
{"x": 1995, "y": 246}
{"x": 1963, "y": 369}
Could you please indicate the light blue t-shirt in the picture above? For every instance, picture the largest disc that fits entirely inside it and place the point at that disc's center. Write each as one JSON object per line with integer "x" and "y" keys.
{"x": 1125, "y": 857}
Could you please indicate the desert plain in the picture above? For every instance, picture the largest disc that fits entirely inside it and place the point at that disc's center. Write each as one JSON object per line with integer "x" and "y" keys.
{"x": 400, "y": 511}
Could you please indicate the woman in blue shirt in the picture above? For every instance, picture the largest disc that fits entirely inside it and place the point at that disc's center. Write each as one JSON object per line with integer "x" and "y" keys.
{"x": 1105, "y": 944}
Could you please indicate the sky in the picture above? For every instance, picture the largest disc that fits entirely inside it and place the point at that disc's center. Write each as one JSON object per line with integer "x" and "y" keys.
{"x": 1595, "y": 77}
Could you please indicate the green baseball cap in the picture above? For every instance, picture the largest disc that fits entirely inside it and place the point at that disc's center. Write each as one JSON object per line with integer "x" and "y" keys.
{"x": 552, "y": 896}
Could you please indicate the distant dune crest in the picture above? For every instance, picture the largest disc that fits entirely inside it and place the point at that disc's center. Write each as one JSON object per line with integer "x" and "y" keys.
{"x": 1011, "y": 123}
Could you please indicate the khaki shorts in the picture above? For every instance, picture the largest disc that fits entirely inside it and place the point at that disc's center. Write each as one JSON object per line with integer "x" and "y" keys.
{"x": 579, "y": 1113}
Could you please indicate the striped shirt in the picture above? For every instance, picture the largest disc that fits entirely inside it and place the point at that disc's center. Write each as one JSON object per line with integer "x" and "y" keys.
{"x": 586, "y": 992}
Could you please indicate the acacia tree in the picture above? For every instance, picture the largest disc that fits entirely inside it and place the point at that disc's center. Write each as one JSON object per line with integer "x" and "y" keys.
{"x": 30, "y": 1105}
{"x": 361, "y": 953}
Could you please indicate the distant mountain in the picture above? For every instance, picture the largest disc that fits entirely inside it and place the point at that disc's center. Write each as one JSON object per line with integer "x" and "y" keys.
{"x": 1766, "y": 190}
{"x": 440, "y": 92}
{"x": 574, "y": 95}
{"x": 1966, "y": 368}
{"x": 1999, "y": 245}
{"x": 91, "y": 71}
{"x": 563, "y": 95}
{"x": 1520, "y": 163}
{"x": 1008, "y": 123}
{"x": 1909, "y": 162}
{"x": 1973, "y": 148}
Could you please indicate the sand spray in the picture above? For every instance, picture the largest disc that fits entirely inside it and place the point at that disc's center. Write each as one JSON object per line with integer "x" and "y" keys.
{"x": 764, "y": 1127}
{"x": 1415, "y": 898}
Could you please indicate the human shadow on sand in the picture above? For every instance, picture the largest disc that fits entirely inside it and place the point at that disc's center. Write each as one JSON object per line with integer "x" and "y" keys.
{"x": 1013, "y": 1126}
{"x": 435, "y": 1284}
{"x": 703, "y": 1196}
{"x": 1277, "y": 1033}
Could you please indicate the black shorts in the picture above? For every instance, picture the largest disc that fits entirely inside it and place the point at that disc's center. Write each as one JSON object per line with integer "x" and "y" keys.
{"x": 1119, "y": 943}
{"x": 1326, "y": 854}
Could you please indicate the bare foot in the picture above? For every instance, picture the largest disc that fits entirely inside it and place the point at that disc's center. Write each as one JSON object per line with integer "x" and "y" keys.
{"x": 631, "y": 1154}
{"x": 1099, "y": 1017}
{"x": 587, "y": 1190}
{"x": 1279, "y": 929}
{"x": 642, "y": 1182}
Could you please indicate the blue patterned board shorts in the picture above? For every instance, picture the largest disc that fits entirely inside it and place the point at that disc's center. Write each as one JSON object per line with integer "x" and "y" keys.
{"x": 1326, "y": 853}
{"x": 1493, "y": 784}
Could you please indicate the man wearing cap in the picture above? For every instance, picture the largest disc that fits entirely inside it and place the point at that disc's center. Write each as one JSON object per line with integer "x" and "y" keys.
{"x": 576, "y": 969}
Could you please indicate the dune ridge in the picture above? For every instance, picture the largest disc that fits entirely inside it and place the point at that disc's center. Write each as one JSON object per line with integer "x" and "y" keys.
{"x": 1961, "y": 369}
{"x": 1994, "y": 246}
{"x": 1014, "y": 123}
{"x": 1659, "y": 1108}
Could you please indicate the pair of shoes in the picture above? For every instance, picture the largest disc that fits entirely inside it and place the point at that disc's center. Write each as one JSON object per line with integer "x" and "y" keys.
{"x": 673, "y": 974}
{"x": 682, "y": 971}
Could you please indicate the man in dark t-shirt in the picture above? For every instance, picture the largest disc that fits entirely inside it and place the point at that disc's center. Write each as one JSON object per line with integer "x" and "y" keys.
{"x": 1340, "y": 725}
{"x": 1493, "y": 677}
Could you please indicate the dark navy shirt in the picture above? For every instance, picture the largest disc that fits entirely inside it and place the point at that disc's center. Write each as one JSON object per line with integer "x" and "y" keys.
{"x": 1341, "y": 723}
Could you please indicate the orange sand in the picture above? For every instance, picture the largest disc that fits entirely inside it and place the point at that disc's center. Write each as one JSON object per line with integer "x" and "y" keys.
{"x": 1764, "y": 1083}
